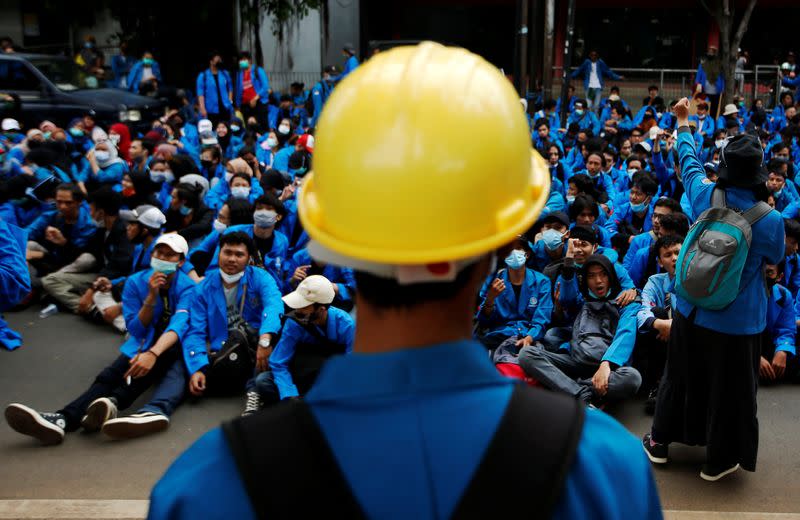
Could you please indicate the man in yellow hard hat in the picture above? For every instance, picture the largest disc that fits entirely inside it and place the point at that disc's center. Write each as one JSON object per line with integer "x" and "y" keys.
{"x": 416, "y": 423}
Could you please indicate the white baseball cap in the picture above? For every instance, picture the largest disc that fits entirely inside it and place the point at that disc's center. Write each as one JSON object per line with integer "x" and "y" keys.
{"x": 10, "y": 124}
{"x": 146, "y": 215}
{"x": 208, "y": 138}
{"x": 204, "y": 125}
{"x": 314, "y": 289}
{"x": 174, "y": 241}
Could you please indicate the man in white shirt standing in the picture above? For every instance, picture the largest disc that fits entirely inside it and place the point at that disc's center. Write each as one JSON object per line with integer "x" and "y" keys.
{"x": 593, "y": 70}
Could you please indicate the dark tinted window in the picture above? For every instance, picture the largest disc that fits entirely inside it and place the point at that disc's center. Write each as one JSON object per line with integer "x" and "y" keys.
{"x": 15, "y": 75}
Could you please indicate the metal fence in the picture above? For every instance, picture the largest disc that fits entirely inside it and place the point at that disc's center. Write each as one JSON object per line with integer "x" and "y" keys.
{"x": 759, "y": 83}
{"x": 280, "y": 81}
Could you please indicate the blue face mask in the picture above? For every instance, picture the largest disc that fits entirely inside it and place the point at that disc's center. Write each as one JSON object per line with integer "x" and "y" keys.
{"x": 638, "y": 208}
{"x": 579, "y": 112}
{"x": 162, "y": 266}
{"x": 570, "y": 199}
{"x": 593, "y": 295}
{"x": 552, "y": 239}
{"x": 185, "y": 210}
{"x": 240, "y": 192}
{"x": 516, "y": 259}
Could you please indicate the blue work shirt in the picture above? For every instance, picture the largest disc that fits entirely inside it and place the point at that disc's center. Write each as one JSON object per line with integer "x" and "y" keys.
{"x": 112, "y": 174}
{"x": 207, "y": 87}
{"x": 641, "y": 240}
{"x": 15, "y": 280}
{"x": 179, "y": 295}
{"x": 218, "y": 195}
{"x": 82, "y": 230}
{"x": 654, "y": 294}
{"x": 638, "y": 267}
{"x": 260, "y": 84}
{"x": 747, "y": 313}
{"x": 208, "y": 318}
{"x": 319, "y": 95}
{"x": 528, "y": 315}
{"x": 135, "y": 75}
{"x": 781, "y": 319}
{"x": 427, "y": 414}
{"x": 624, "y": 213}
{"x": 274, "y": 262}
{"x": 339, "y": 329}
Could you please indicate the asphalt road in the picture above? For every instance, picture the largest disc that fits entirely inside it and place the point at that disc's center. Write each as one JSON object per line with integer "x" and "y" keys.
{"x": 62, "y": 354}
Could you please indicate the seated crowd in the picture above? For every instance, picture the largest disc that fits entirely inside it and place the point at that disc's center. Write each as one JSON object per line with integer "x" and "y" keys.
{"x": 186, "y": 238}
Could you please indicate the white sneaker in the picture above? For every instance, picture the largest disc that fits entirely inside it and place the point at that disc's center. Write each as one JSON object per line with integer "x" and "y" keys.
{"x": 48, "y": 428}
{"x": 98, "y": 412}
{"x": 136, "y": 425}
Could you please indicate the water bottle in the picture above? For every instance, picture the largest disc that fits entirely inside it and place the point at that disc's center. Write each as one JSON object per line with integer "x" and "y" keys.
{"x": 48, "y": 311}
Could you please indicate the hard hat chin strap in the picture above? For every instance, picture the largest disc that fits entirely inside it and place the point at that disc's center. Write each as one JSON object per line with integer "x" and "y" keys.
{"x": 406, "y": 274}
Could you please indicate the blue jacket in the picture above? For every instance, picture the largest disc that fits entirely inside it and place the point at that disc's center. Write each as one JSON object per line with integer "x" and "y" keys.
{"x": 208, "y": 320}
{"x": 621, "y": 347}
{"x": 399, "y": 410}
{"x": 221, "y": 191}
{"x": 528, "y": 316}
{"x": 15, "y": 280}
{"x": 319, "y": 95}
{"x": 747, "y": 314}
{"x": 782, "y": 319}
{"x": 135, "y": 75}
{"x": 540, "y": 259}
{"x": 642, "y": 240}
{"x": 342, "y": 277}
{"x": 585, "y": 70}
{"x": 339, "y": 329}
{"x": 705, "y": 125}
{"x": 121, "y": 67}
{"x": 586, "y": 121}
{"x": 280, "y": 161}
{"x": 83, "y": 229}
{"x": 701, "y": 78}
{"x": 207, "y": 87}
{"x": 791, "y": 275}
{"x": 179, "y": 296}
{"x": 276, "y": 258}
{"x": 623, "y": 213}
{"x": 349, "y": 66}
{"x": 638, "y": 267}
{"x": 111, "y": 174}
{"x": 654, "y": 294}
{"x": 260, "y": 84}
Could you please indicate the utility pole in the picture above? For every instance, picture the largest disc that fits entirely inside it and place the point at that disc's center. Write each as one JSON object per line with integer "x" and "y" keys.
{"x": 567, "y": 61}
{"x": 547, "y": 51}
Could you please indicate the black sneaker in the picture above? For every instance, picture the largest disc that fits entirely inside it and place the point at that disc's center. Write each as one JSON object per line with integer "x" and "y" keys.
{"x": 98, "y": 412}
{"x": 713, "y": 472}
{"x": 252, "y": 403}
{"x": 136, "y": 425}
{"x": 48, "y": 428}
{"x": 657, "y": 453}
{"x": 650, "y": 403}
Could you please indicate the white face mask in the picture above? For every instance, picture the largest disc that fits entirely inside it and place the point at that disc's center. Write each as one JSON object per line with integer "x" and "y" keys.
{"x": 284, "y": 129}
{"x": 265, "y": 218}
{"x": 230, "y": 278}
{"x": 219, "y": 227}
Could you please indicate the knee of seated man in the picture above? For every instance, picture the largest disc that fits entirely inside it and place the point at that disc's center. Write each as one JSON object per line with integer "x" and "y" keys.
{"x": 630, "y": 378}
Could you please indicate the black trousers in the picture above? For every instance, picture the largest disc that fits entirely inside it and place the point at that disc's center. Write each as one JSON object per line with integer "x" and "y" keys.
{"x": 111, "y": 383}
{"x": 260, "y": 112}
{"x": 650, "y": 355}
{"x": 707, "y": 396}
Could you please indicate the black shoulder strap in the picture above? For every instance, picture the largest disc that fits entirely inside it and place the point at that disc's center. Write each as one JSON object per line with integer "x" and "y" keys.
{"x": 757, "y": 212}
{"x": 718, "y": 198}
{"x": 286, "y": 465}
{"x": 530, "y": 455}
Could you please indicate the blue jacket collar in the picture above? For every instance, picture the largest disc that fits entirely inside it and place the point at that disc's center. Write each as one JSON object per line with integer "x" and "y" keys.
{"x": 415, "y": 371}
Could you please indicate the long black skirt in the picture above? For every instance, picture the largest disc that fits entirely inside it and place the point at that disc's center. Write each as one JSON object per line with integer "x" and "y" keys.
{"x": 707, "y": 395}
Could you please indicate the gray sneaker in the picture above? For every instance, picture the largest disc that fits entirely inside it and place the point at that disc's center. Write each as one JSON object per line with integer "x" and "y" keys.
{"x": 136, "y": 425}
{"x": 98, "y": 412}
{"x": 48, "y": 428}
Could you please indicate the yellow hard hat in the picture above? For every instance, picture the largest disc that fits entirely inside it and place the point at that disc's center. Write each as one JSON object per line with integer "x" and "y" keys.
{"x": 422, "y": 155}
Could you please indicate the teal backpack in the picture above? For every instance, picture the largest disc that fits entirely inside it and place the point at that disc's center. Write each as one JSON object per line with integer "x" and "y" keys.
{"x": 709, "y": 269}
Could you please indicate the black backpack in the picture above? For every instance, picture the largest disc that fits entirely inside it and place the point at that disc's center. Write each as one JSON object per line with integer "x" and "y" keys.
{"x": 289, "y": 470}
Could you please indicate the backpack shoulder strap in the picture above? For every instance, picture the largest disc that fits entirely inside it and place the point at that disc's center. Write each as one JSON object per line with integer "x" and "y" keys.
{"x": 757, "y": 212}
{"x": 282, "y": 448}
{"x": 718, "y": 198}
{"x": 515, "y": 464}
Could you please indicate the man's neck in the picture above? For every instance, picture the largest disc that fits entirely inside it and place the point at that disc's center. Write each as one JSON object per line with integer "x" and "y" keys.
{"x": 263, "y": 232}
{"x": 109, "y": 221}
{"x": 516, "y": 276}
{"x": 70, "y": 220}
{"x": 431, "y": 323}
{"x": 213, "y": 69}
{"x": 147, "y": 240}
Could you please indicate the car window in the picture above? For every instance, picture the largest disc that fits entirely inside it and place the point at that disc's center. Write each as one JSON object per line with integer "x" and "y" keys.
{"x": 16, "y": 76}
{"x": 65, "y": 74}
